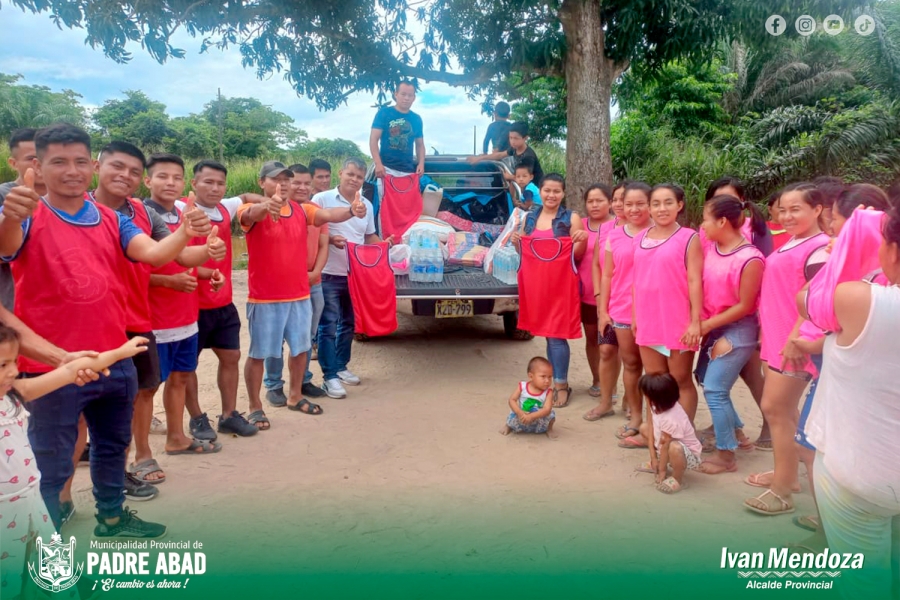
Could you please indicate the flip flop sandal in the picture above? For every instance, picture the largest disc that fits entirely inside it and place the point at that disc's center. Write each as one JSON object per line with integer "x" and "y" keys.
{"x": 623, "y": 432}
{"x": 632, "y": 444}
{"x": 719, "y": 468}
{"x": 568, "y": 392}
{"x": 157, "y": 427}
{"x": 768, "y": 509}
{"x": 746, "y": 445}
{"x": 669, "y": 485}
{"x": 258, "y": 417}
{"x": 594, "y": 391}
{"x": 753, "y": 480}
{"x": 147, "y": 467}
{"x": 763, "y": 445}
{"x": 709, "y": 445}
{"x": 311, "y": 409}
{"x": 197, "y": 447}
{"x": 809, "y": 523}
{"x": 592, "y": 416}
{"x": 645, "y": 467}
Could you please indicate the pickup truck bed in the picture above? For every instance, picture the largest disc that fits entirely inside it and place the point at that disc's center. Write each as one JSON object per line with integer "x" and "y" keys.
{"x": 461, "y": 283}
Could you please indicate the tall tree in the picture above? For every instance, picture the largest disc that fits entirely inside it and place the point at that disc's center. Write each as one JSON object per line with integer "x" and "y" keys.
{"x": 135, "y": 118}
{"x": 332, "y": 49}
{"x": 35, "y": 105}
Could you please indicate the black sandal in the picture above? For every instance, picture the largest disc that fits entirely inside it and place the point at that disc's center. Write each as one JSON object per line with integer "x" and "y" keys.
{"x": 311, "y": 408}
{"x": 568, "y": 392}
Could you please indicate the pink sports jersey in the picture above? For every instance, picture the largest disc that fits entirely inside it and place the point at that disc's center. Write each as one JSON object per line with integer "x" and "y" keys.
{"x": 722, "y": 277}
{"x": 785, "y": 276}
{"x": 746, "y": 231}
{"x": 621, "y": 244}
{"x": 585, "y": 265}
{"x": 662, "y": 303}
{"x": 854, "y": 254}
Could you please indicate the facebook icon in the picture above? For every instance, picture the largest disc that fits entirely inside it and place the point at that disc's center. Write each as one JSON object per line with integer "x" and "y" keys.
{"x": 775, "y": 25}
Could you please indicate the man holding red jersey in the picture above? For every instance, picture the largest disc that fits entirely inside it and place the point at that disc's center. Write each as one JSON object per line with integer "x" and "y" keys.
{"x": 278, "y": 305}
{"x": 79, "y": 244}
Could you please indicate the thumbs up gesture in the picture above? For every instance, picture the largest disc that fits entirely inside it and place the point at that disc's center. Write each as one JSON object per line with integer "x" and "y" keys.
{"x": 215, "y": 246}
{"x": 275, "y": 204}
{"x": 21, "y": 200}
{"x": 358, "y": 207}
{"x": 194, "y": 220}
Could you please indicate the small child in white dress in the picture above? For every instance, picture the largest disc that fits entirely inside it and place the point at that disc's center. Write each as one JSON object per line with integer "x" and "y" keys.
{"x": 531, "y": 410}
{"x": 23, "y": 515}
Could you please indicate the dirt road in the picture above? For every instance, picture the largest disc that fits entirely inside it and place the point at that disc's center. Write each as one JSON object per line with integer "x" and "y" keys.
{"x": 410, "y": 471}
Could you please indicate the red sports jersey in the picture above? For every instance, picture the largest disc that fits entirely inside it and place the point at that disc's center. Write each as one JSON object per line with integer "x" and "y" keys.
{"x": 276, "y": 269}
{"x": 372, "y": 289}
{"x": 69, "y": 286}
{"x": 401, "y": 205}
{"x": 170, "y": 308}
{"x": 209, "y": 298}
{"x": 548, "y": 288}
{"x": 137, "y": 279}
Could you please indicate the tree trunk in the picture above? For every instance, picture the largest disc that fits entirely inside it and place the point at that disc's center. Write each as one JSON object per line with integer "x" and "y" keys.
{"x": 589, "y": 78}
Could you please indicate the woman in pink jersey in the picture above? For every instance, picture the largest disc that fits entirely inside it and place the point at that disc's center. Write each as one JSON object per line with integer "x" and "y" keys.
{"x": 668, "y": 293}
{"x": 762, "y": 238}
{"x": 614, "y": 305}
{"x": 732, "y": 277}
{"x": 598, "y": 345}
{"x": 617, "y": 203}
{"x": 789, "y": 368}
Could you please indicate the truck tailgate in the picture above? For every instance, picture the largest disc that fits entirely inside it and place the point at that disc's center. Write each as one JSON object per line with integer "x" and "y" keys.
{"x": 466, "y": 282}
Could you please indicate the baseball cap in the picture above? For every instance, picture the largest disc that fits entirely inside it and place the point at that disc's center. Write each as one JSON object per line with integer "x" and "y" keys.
{"x": 273, "y": 168}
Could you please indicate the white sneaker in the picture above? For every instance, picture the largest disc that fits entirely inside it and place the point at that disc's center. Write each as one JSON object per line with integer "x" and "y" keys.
{"x": 348, "y": 378}
{"x": 334, "y": 389}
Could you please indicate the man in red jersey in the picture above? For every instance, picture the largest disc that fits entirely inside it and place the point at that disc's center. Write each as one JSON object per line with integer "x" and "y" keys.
{"x": 175, "y": 307}
{"x": 278, "y": 305}
{"x": 78, "y": 244}
{"x": 219, "y": 325}
{"x": 120, "y": 169}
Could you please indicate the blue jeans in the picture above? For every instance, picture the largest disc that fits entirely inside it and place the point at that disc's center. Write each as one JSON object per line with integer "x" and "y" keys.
{"x": 558, "y": 354}
{"x": 800, "y": 436}
{"x": 273, "y": 378}
{"x": 336, "y": 326}
{"x": 718, "y": 375}
{"x": 107, "y": 405}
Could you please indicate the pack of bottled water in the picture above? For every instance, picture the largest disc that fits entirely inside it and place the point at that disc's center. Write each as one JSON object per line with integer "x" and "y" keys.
{"x": 506, "y": 265}
{"x": 427, "y": 259}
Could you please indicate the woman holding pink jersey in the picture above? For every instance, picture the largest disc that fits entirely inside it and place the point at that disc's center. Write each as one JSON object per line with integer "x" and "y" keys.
{"x": 614, "y": 305}
{"x": 789, "y": 368}
{"x": 668, "y": 293}
{"x": 732, "y": 277}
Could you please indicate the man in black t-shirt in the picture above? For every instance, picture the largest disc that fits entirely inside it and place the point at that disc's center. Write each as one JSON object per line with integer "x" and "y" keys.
{"x": 518, "y": 148}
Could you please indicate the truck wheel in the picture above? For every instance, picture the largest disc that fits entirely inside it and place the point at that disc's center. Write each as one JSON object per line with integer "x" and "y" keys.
{"x": 510, "y": 327}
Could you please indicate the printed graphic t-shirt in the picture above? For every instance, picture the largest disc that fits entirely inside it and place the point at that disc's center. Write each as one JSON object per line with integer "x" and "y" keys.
{"x": 399, "y": 132}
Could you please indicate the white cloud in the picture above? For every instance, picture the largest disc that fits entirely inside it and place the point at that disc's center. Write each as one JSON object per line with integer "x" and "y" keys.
{"x": 45, "y": 55}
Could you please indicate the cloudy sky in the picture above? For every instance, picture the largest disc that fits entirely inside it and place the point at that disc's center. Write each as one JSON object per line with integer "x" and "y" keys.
{"x": 35, "y": 48}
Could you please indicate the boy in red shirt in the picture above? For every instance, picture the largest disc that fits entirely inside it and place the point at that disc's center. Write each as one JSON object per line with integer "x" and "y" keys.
{"x": 278, "y": 305}
{"x": 174, "y": 307}
{"x": 79, "y": 244}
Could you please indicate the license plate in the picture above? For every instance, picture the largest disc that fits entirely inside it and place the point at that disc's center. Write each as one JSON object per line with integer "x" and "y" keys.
{"x": 451, "y": 309}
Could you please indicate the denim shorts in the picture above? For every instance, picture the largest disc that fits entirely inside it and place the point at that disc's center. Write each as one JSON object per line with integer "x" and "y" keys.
{"x": 272, "y": 323}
